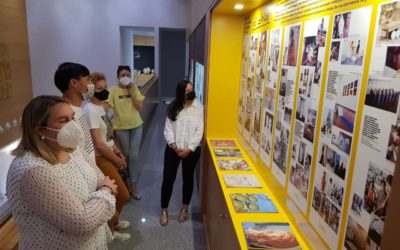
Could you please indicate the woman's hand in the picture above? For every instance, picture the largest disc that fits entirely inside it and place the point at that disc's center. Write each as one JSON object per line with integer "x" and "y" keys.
{"x": 110, "y": 184}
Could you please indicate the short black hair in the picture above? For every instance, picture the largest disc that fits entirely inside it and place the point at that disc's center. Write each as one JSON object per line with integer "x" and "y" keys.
{"x": 123, "y": 67}
{"x": 67, "y": 71}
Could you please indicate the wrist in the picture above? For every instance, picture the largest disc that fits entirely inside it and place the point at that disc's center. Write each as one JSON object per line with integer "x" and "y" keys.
{"x": 107, "y": 188}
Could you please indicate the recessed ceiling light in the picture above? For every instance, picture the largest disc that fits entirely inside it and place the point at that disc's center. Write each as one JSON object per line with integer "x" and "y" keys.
{"x": 238, "y": 6}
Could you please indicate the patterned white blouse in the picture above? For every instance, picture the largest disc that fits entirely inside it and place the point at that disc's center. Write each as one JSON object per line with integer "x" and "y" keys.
{"x": 57, "y": 206}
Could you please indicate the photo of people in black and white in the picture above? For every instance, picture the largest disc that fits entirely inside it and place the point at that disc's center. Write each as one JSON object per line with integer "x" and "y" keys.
{"x": 310, "y": 51}
{"x": 389, "y": 25}
{"x": 274, "y": 49}
{"x": 327, "y": 119}
{"x": 325, "y": 208}
{"x": 334, "y": 191}
{"x": 333, "y": 161}
{"x": 342, "y": 141}
{"x": 301, "y": 108}
{"x": 334, "y": 217}
{"x": 356, "y": 236}
{"x": 299, "y": 178}
{"x": 392, "y": 64}
{"x": 295, "y": 147}
{"x": 327, "y": 156}
{"x": 316, "y": 203}
{"x": 310, "y": 125}
{"x": 321, "y": 34}
{"x": 306, "y": 81}
{"x": 291, "y": 46}
{"x": 280, "y": 149}
{"x": 257, "y": 117}
{"x": 377, "y": 189}
{"x": 356, "y": 204}
{"x": 287, "y": 117}
{"x": 353, "y": 51}
{"x": 269, "y": 100}
{"x": 335, "y": 49}
{"x": 302, "y": 152}
{"x": 341, "y": 25}
{"x": 267, "y": 132}
{"x": 284, "y": 82}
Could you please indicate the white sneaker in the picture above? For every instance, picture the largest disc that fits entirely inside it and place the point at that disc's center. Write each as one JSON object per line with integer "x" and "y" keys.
{"x": 122, "y": 224}
{"x": 120, "y": 236}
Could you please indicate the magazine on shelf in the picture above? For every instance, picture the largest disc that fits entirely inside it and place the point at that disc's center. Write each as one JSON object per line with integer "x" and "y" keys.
{"x": 227, "y": 152}
{"x": 233, "y": 165}
{"x": 241, "y": 180}
{"x": 223, "y": 143}
{"x": 252, "y": 203}
{"x": 269, "y": 236}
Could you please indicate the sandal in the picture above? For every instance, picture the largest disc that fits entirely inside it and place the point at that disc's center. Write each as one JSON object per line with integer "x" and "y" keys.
{"x": 183, "y": 215}
{"x": 164, "y": 218}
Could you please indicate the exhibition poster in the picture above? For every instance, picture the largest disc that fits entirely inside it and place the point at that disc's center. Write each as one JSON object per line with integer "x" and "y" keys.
{"x": 379, "y": 140}
{"x": 269, "y": 236}
{"x": 308, "y": 99}
{"x": 286, "y": 100}
{"x": 349, "y": 33}
{"x": 275, "y": 40}
{"x": 260, "y": 74}
{"x": 250, "y": 88}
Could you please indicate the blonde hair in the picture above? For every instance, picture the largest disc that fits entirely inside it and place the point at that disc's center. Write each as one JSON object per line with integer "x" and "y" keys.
{"x": 36, "y": 114}
{"x": 97, "y": 76}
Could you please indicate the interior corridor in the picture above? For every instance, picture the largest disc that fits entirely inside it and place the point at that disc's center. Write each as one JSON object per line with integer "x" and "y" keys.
{"x": 144, "y": 214}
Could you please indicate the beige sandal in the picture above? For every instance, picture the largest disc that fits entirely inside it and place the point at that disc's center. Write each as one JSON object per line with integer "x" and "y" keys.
{"x": 183, "y": 215}
{"x": 164, "y": 218}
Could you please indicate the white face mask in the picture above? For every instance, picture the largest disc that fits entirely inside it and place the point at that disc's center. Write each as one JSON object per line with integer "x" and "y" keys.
{"x": 89, "y": 93}
{"x": 125, "y": 80}
{"x": 68, "y": 136}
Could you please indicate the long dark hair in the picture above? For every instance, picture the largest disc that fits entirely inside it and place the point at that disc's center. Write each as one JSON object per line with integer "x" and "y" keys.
{"x": 177, "y": 105}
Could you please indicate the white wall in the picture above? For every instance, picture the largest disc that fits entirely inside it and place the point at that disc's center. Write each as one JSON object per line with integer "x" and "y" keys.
{"x": 88, "y": 32}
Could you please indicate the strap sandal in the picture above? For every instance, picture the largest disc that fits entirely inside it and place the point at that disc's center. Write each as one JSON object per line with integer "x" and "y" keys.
{"x": 164, "y": 218}
{"x": 183, "y": 215}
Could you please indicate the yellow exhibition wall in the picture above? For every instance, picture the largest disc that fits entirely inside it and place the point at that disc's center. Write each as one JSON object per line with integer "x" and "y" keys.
{"x": 226, "y": 87}
{"x": 224, "y": 74}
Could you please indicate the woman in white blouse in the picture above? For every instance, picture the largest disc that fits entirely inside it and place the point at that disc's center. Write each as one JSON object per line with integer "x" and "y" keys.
{"x": 59, "y": 198}
{"x": 183, "y": 132}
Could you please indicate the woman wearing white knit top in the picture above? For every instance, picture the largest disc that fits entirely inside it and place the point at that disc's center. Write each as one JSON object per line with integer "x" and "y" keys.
{"x": 59, "y": 198}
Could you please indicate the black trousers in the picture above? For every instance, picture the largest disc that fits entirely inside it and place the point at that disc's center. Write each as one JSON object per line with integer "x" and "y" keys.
{"x": 171, "y": 164}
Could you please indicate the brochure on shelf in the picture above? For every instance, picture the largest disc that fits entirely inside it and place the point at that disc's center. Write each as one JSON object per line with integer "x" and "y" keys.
{"x": 252, "y": 203}
{"x": 227, "y": 152}
{"x": 270, "y": 236}
{"x": 233, "y": 165}
{"x": 241, "y": 181}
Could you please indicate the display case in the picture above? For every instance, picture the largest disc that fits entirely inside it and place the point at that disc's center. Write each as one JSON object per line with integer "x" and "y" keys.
{"x": 307, "y": 89}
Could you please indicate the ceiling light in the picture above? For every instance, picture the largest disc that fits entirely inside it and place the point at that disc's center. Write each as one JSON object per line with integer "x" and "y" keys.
{"x": 238, "y": 6}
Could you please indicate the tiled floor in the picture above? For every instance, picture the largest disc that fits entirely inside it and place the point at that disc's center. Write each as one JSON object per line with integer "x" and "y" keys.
{"x": 144, "y": 214}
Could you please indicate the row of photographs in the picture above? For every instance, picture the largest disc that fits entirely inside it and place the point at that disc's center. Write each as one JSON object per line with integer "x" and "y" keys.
{"x": 346, "y": 60}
